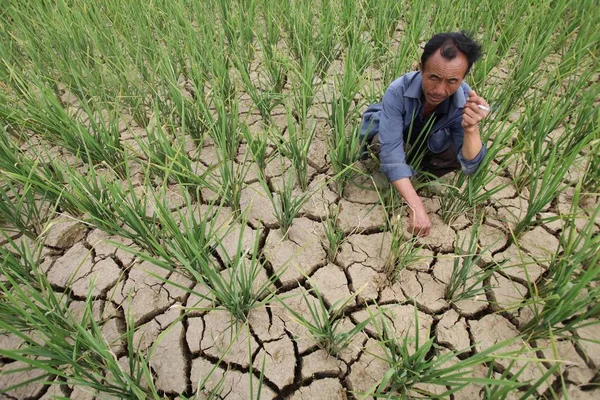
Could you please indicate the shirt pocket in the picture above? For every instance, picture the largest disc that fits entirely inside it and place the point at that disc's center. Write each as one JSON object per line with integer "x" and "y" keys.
{"x": 439, "y": 140}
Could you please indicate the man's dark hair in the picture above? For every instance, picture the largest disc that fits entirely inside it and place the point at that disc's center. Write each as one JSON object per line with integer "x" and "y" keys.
{"x": 449, "y": 44}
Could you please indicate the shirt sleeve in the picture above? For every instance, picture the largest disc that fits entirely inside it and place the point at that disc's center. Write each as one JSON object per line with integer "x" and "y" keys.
{"x": 392, "y": 155}
{"x": 468, "y": 166}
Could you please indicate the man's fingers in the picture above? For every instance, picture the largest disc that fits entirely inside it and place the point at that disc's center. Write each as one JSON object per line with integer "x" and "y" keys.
{"x": 420, "y": 231}
{"x": 469, "y": 118}
{"x": 476, "y": 101}
{"x": 472, "y": 114}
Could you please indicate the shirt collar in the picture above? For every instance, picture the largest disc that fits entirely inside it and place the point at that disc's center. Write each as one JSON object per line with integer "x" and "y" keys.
{"x": 415, "y": 90}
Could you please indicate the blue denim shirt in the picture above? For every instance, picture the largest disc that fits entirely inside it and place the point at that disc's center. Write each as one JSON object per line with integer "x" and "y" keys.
{"x": 393, "y": 116}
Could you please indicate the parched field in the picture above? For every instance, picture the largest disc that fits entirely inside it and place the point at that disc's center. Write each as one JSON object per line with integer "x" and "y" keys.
{"x": 184, "y": 213}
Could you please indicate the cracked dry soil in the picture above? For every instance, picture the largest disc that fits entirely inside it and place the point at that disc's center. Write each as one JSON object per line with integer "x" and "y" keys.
{"x": 197, "y": 344}
{"x": 205, "y": 345}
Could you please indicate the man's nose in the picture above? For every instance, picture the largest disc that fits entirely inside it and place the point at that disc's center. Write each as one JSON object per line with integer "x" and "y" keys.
{"x": 440, "y": 89}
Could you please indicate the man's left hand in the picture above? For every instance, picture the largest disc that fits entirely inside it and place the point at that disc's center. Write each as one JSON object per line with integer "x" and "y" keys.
{"x": 472, "y": 113}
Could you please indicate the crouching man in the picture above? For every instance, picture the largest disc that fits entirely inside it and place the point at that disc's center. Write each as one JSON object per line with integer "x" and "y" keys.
{"x": 433, "y": 110}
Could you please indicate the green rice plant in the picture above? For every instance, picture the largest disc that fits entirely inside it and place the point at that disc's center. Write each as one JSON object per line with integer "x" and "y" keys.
{"x": 298, "y": 25}
{"x": 238, "y": 288}
{"x": 264, "y": 100}
{"x": 348, "y": 83}
{"x": 403, "y": 251}
{"x": 38, "y": 110}
{"x": 333, "y": 232}
{"x": 92, "y": 62}
{"x": 360, "y": 55}
{"x": 165, "y": 155}
{"x": 584, "y": 38}
{"x": 543, "y": 115}
{"x": 325, "y": 46}
{"x": 275, "y": 62}
{"x": 325, "y": 324}
{"x": 80, "y": 53}
{"x": 468, "y": 280}
{"x": 303, "y": 87}
{"x": 344, "y": 143}
{"x": 220, "y": 65}
{"x": 547, "y": 180}
{"x": 286, "y": 204}
{"x": 258, "y": 147}
{"x": 184, "y": 111}
{"x": 55, "y": 344}
{"x": 350, "y": 21}
{"x": 233, "y": 281}
{"x": 183, "y": 241}
{"x": 117, "y": 209}
{"x": 390, "y": 200}
{"x": 230, "y": 177}
{"x": 591, "y": 177}
{"x": 568, "y": 297}
{"x": 417, "y": 28}
{"x": 383, "y": 18}
{"x": 541, "y": 37}
{"x": 121, "y": 210}
{"x": 44, "y": 176}
{"x": 416, "y": 146}
{"x": 311, "y": 36}
{"x": 224, "y": 130}
{"x": 412, "y": 362}
{"x": 503, "y": 26}
{"x": 585, "y": 120}
{"x": 296, "y": 147}
{"x": 238, "y": 24}
{"x": 22, "y": 209}
{"x": 510, "y": 382}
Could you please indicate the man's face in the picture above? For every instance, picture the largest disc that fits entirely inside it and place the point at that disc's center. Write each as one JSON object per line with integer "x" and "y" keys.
{"x": 442, "y": 77}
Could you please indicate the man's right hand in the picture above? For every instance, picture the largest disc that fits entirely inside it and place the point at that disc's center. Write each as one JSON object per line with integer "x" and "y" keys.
{"x": 419, "y": 224}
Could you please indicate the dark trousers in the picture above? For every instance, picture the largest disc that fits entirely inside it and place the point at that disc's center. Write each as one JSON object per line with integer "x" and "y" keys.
{"x": 438, "y": 164}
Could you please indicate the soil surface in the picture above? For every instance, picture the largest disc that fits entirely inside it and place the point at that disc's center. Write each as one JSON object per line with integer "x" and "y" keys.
{"x": 196, "y": 344}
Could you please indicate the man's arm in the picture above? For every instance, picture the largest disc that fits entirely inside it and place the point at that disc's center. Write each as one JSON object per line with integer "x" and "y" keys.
{"x": 393, "y": 160}
{"x": 419, "y": 223}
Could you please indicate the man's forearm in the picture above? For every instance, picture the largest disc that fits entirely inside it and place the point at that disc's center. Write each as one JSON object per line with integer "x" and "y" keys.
{"x": 419, "y": 223}
{"x": 407, "y": 191}
{"x": 471, "y": 143}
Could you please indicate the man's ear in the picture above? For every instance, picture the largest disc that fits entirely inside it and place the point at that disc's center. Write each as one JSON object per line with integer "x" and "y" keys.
{"x": 421, "y": 67}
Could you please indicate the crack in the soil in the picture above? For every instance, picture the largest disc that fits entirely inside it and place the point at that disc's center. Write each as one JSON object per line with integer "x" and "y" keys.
{"x": 294, "y": 284}
{"x": 144, "y": 319}
{"x": 260, "y": 344}
{"x": 476, "y": 316}
{"x": 225, "y": 366}
{"x": 581, "y": 353}
{"x": 286, "y": 391}
{"x": 187, "y": 355}
{"x": 349, "y": 280}
{"x": 419, "y": 282}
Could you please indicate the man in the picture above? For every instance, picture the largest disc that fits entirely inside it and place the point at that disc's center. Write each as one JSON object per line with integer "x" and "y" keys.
{"x": 435, "y": 110}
